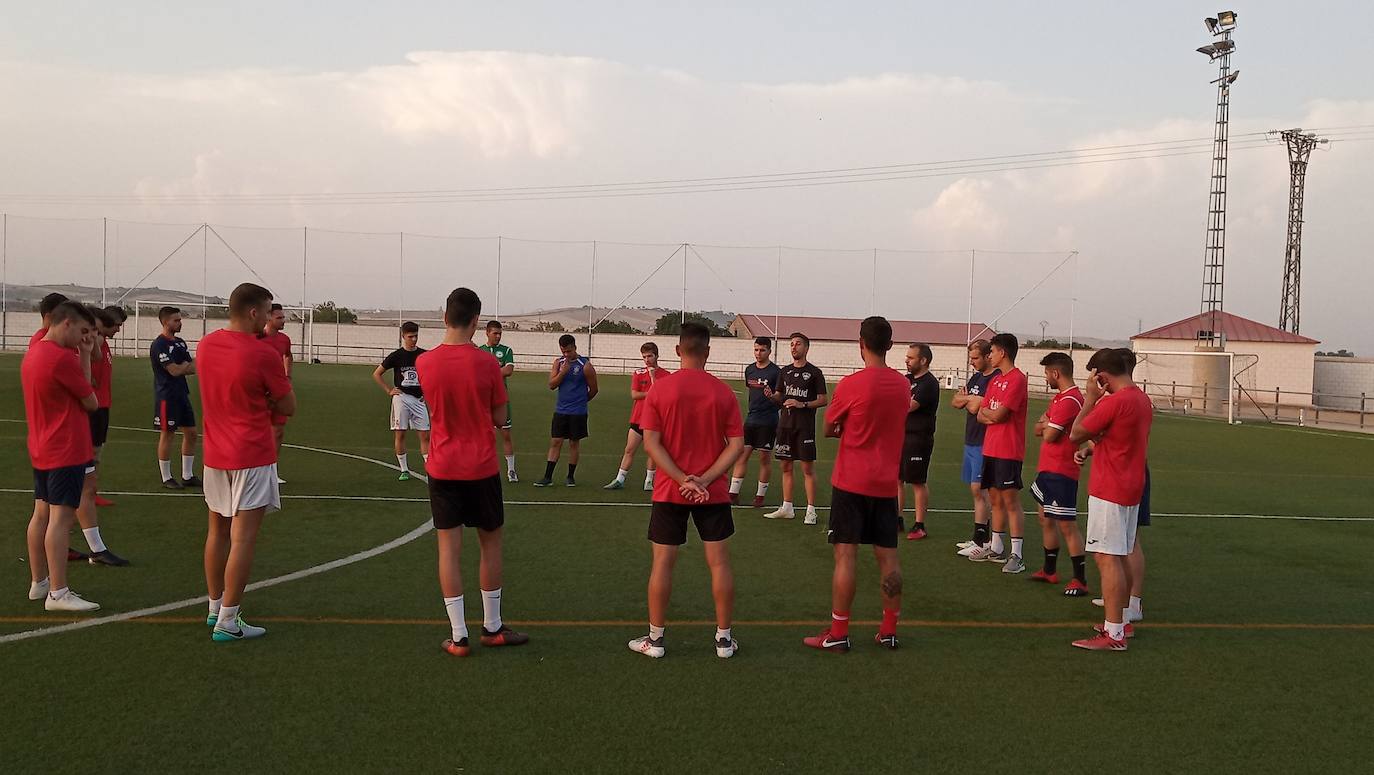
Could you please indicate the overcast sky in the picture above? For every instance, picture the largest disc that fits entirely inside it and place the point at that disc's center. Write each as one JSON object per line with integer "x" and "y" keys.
{"x": 280, "y": 97}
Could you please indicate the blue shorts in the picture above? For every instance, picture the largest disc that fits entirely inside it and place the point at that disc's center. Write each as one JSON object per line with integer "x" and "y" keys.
{"x": 1143, "y": 519}
{"x": 172, "y": 413}
{"x": 60, "y": 486}
{"x": 1058, "y": 494}
{"x": 972, "y": 470}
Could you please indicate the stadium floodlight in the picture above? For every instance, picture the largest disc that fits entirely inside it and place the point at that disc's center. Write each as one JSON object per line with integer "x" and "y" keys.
{"x": 1214, "y": 50}
{"x": 1226, "y": 20}
{"x": 1211, "y": 24}
{"x": 1228, "y": 79}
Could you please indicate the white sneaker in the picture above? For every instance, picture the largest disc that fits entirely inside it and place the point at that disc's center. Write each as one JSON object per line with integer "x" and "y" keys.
{"x": 242, "y": 631}
{"x": 726, "y": 648}
{"x": 981, "y": 553}
{"x": 810, "y": 518}
{"x": 511, "y": 477}
{"x": 968, "y": 550}
{"x": 280, "y": 480}
{"x": 783, "y": 512}
{"x": 964, "y": 544}
{"x": 654, "y": 648}
{"x": 1014, "y": 565}
{"x": 70, "y": 601}
{"x": 648, "y": 486}
{"x": 39, "y": 589}
{"x": 1097, "y": 601}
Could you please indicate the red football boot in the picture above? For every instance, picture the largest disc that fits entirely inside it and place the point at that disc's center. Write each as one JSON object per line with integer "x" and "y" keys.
{"x": 1048, "y": 578}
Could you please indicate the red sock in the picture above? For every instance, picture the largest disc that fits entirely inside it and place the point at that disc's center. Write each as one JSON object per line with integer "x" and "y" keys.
{"x": 839, "y": 624}
{"x": 889, "y": 622}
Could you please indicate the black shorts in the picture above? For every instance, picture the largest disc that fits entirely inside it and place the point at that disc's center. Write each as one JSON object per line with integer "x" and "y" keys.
{"x": 634, "y": 426}
{"x": 569, "y": 426}
{"x": 916, "y": 450}
{"x": 668, "y": 522}
{"x": 172, "y": 413}
{"x": 795, "y": 444}
{"x": 466, "y": 503}
{"x": 1001, "y": 474}
{"x": 100, "y": 426}
{"x": 760, "y": 436}
{"x": 1058, "y": 494}
{"x": 59, "y": 486}
{"x": 863, "y": 519}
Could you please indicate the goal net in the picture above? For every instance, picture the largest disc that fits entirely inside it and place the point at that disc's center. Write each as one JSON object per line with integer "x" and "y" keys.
{"x": 198, "y": 319}
{"x": 1201, "y": 383}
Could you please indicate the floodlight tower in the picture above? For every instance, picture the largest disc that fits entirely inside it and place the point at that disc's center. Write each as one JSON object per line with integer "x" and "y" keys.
{"x": 1300, "y": 147}
{"x": 1214, "y": 259}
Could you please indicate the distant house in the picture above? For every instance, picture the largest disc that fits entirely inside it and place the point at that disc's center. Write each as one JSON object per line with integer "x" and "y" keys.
{"x": 1265, "y": 358}
{"x": 847, "y": 329}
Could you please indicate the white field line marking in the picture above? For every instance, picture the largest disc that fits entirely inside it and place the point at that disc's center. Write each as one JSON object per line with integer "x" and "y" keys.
{"x": 421, "y": 530}
{"x": 625, "y": 505}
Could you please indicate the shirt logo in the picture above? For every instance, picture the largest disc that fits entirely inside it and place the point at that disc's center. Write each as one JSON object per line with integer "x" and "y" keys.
{"x": 806, "y": 375}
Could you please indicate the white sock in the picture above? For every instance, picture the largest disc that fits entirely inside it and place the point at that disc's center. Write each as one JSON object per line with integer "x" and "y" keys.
{"x": 1115, "y": 629}
{"x": 93, "y": 538}
{"x": 763, "y": 489}
{"x": 655, "y": 633}
{"x": 214, "y": 605}
{"x": 424, "y": 456}
{"x": 57, "y": 594}
{"x": 723, "y": 634}
{"x": 736, "y": 485}
{"x": 401, "y": 461}
{"x": 620, "y": 475}
{"x": 228, "y": 618}
{"x": 188, "y": 466}
{"x": 1016, "y": 544}
{"x": 786, "y": 506}
{"x": 510, "y": 462}
{"x": 454, "y": 607}
{"x": 810, "y": 510}
{"x": 649, "y": 478}
{"x": 165, "y": 466}
{"x": 997, "y": 546}
{"x": 1133, "y": 612}
{"x": 491, "y": 609}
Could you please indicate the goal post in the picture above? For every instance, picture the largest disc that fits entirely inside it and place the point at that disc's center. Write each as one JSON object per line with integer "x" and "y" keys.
{"x": 1201, "y": 382}
{"x": 200, "y": 318}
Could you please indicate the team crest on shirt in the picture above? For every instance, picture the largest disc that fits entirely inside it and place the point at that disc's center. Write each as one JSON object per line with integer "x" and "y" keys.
{"x": 806, "y": 376}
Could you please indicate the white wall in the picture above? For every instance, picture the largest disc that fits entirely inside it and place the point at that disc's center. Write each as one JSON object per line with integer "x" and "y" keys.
{"x": 1339, "y": 382}
{"x": 1260, "y": 366}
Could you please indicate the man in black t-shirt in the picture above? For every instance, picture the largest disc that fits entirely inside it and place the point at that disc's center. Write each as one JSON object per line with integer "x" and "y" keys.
{"x": 920, "y": 435}
{"x": 408, "y": 410}
{"x": 800, "y": 390}
{"x": 761, "y": 425}
{"x": 970, "y": 399}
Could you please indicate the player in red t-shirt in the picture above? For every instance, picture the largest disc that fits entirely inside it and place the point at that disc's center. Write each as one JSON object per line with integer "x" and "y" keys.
{"x": 868, "y": 415}
{"x": 56, "y": 380}
{"x": 1003, "y": 411}
{"x": 693, "y": 431}
{"x": 242, "y": 384}
{"x": 1056, "y": 483}
{"x": 466, "y": 395}
{"x": 280, "y": 343}
{"x": 107, "y": 324}
{"x": 640, "y": 382}
{"x": 45, "y": 310}
{"x": 1116, "y": 417}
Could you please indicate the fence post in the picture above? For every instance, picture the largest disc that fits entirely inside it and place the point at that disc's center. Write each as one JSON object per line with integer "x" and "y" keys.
{"x": 1276, "y": 403}
{"x": 1204, "y": 397}
{"x": 1362, "y": 410}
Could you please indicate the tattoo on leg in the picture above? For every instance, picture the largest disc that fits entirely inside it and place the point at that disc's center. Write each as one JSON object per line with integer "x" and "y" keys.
{"x": 892, "y": 584}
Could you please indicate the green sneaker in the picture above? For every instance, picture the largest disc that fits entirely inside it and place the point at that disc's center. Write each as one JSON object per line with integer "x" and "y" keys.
{"x": 243, "y": 631}
{"x": 404, "y": 477}
{"x": 211, "y": 620}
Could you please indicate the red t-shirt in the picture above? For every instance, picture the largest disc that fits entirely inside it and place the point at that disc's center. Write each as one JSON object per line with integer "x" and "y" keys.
{"x": 54, "y": 386}
{"x": 695, "y": 413}
{"x": 462, "y": 385}
{"x": 102, "y": 373}
{"x": 870, "y": 407}
{"x": 38, "y": 336}
{"x": 279, "y": 342}
{"x": 238, "y": 374}
{"x": 1056, "y": 457}
{"x": 1007, "y": 440}
{"x": 640, "y": 382}
{"x": 1122, "y": 421}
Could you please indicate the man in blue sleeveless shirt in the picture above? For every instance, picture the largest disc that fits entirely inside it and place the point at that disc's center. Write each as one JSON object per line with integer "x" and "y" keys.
{"x": 574, "y": 378}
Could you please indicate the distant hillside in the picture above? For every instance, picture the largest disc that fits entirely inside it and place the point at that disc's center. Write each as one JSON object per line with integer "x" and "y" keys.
{"x": 570, "y": 318}
{"x": 20, "y": 297}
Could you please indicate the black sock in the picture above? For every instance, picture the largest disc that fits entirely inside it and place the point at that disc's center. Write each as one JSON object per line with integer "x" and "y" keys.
{"x": 918, "y": 526}
{"x": 1080, "y": 565}
{"x": 548, "y": 469}
{"x": 981, "y": 535}
{"x": 572, "y": 470}
{"x": 1051, "y": 560}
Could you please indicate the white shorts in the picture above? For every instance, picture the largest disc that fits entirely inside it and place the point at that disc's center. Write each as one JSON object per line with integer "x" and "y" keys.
{"x": 229, "y": 492}
{"x": 409, "y": 413}
{"x": 1111, "y": 527}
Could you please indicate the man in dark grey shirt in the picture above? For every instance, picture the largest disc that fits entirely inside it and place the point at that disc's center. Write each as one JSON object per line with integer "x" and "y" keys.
{"x": 761, "y": 425}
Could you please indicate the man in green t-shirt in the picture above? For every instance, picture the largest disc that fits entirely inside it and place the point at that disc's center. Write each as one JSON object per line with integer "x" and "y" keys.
{"x": 506, "y": 357}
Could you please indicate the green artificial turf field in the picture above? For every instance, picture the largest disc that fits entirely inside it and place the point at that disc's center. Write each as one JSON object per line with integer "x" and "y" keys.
{"x": 1256, "y": 652}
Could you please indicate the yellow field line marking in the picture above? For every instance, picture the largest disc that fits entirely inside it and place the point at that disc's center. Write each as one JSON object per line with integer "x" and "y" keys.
{"x": 569, "y": 623}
